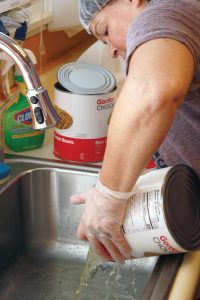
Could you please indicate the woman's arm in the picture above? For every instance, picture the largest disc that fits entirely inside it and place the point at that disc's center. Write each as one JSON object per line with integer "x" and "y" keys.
{"x": 160, "y": 74}
{"x": 159, "y": 77}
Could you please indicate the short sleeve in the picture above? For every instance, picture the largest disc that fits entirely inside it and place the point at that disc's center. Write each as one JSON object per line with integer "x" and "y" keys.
{"x": 167, "y": 19}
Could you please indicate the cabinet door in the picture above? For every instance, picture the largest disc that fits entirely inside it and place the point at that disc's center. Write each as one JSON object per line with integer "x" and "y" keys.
{"x": 65, "y": 14}
{"x": 6, "y": 5}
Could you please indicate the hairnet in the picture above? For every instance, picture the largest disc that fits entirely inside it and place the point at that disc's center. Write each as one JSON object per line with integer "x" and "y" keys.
{"x": 88, "y": 9}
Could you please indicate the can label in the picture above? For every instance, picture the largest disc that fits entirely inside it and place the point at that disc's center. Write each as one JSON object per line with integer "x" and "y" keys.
{"x": 83, "y": 150}
{"x": 145, "y": 227}
{"x": 81, "y": 135}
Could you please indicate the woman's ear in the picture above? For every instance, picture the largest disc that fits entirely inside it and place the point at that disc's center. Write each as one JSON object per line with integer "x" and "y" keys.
{"x": 137, "y": 3}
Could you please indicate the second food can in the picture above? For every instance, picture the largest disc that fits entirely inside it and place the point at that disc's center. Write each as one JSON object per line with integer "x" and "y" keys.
{"x": 163, "y": 215}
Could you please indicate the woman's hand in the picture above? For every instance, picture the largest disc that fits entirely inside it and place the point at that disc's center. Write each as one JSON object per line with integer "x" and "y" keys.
{"x": 102, "y": 220}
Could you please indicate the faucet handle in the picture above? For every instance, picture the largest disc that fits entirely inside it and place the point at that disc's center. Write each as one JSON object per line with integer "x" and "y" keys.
{"x": 43, "y": 112}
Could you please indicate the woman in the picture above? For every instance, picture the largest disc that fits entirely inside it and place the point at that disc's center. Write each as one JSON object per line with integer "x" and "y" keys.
{"x": 157, "y": 112}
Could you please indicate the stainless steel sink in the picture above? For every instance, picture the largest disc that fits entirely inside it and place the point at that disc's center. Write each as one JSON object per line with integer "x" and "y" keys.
{"x": 40, "y": 256}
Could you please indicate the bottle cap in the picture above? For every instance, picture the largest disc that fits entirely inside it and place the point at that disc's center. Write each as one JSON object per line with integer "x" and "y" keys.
{"x": 4, "y": 170}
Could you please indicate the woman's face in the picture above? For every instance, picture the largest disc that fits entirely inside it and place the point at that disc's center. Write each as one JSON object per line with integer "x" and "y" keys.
{"x": 111, "y": 24}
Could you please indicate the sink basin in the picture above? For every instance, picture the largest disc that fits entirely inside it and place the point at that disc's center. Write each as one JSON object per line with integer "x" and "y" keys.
{"x": 40, "y": 256}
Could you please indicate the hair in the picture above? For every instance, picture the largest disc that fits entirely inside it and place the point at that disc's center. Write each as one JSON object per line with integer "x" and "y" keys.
{"x": 89, "y": 8}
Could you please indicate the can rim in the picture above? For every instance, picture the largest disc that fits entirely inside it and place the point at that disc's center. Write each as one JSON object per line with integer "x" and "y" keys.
{"x": 181, "y": 204}
{"x": 58, "y": 87}
{"x": 86, "y": 78}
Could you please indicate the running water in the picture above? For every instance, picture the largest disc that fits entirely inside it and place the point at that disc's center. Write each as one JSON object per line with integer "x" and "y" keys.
{"x": 104, "y": 281}
{"x": 91, "y": 265}
{"x": 114, "y": 283}
{"x": 113, "y": 277}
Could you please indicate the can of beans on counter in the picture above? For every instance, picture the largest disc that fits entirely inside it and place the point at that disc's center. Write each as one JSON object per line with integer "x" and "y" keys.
{"x": 84, "y": 99}
{"x": 163, "y": 215}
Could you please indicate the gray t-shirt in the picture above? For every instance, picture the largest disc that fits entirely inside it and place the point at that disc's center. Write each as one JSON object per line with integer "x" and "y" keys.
{"x": 179, "y": 20}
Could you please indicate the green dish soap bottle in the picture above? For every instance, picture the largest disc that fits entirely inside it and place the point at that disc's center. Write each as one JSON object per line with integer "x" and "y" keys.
{"x": 19, "y": 134}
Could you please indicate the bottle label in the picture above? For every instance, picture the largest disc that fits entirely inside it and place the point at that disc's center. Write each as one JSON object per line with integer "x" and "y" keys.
{"x": 19, "y": 134}
{"x": 24, "y": 116}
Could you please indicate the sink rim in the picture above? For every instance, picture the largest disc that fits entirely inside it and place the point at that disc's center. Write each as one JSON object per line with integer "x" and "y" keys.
{"x": 12, "y": 158}
{"x": 29, "y": 164}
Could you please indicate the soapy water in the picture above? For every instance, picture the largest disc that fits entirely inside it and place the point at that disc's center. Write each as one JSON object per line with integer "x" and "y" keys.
{"x": 105, "y": 281}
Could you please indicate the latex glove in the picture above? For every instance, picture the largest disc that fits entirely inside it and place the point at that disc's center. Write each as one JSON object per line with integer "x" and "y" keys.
{"x": 101, "y": 223}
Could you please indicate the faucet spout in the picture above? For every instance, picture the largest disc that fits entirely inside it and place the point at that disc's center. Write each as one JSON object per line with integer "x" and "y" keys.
{"x": 43, "y": 112}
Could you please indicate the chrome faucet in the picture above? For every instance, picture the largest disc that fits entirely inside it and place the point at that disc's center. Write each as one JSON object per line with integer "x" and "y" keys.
{"x": 43, "y": 112}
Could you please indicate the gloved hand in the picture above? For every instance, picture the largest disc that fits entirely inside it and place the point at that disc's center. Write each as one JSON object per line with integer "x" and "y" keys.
{"x": 102, "y": 220}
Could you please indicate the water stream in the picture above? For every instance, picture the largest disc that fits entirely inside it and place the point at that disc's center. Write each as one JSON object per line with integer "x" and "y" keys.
{"x": 104, "y": 281}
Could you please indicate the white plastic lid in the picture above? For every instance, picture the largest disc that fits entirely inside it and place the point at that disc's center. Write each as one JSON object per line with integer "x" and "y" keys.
{"x": 84, "y": 78}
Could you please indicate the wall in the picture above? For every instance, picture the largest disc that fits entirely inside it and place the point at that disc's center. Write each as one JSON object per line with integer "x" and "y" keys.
{"x": 57, "y": 46}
